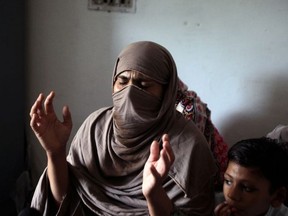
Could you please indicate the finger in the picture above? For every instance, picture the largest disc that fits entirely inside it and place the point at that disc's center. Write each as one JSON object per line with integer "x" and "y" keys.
{"x": 154, "y": 151}
{"x": 37, "y": 105}
{"x": 34, "y": 122}
{"x": 48, "y": 104}
{"x": 154, "y": 172}
{"x": 165, "y": 161}
{"x": 67, "y": 119}
{"x": 168, "y": 148}
{"x": 165, "y": 137}
{"x": 40, "y": 112}
{"x": 218, "y": 208}
{"x": 222, "y": 209}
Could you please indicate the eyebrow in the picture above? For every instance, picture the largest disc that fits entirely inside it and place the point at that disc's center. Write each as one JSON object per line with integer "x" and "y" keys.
{"x": 227, "y": 174}
{"x": 122, "y": 76}
{"x": 142, "y": 76}
{"x": 243, "y": 181}
{"x": 139, "y": 76}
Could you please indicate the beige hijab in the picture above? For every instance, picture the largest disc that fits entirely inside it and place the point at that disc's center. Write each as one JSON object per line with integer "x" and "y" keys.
{"x": 123, "y": 150}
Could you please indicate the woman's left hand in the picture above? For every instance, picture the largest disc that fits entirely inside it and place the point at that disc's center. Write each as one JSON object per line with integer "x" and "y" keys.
{"x": 157, "y": 165}
{"x": 155, "y": 171}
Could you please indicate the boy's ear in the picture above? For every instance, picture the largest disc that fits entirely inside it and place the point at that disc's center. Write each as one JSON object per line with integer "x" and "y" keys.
{"x": 278, "y": 197}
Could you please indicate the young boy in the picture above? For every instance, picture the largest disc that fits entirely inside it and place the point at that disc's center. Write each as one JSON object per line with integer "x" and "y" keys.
{"x": 256, "y": 179}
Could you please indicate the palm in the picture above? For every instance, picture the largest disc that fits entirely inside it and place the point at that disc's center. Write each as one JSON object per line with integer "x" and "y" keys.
{"x": 157, "y": 166}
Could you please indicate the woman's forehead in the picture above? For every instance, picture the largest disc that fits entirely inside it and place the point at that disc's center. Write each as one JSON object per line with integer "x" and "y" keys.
{"x": 148, "y": 58}
{"x": 134, "y": 74}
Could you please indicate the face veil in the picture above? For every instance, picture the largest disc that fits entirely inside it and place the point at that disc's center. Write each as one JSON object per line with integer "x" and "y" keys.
{"x": 134, "y": 112}
{"x": 138, "y": 116}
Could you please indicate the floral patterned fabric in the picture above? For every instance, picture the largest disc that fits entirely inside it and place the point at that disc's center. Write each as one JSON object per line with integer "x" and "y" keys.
{"x": 190, "y": 105}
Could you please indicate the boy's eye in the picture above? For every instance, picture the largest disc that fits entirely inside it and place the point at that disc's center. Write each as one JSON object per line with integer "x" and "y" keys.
{"x": 227, "y": 182}
{"x": 248, "y": 188}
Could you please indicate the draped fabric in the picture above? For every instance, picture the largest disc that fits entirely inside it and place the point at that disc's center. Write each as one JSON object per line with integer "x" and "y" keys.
{"x": 106, "y": 172}
{"x": 193, "y": 108}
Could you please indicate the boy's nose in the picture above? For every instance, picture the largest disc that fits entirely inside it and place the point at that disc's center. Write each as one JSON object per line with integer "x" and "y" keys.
{"x": 234, "y": 194}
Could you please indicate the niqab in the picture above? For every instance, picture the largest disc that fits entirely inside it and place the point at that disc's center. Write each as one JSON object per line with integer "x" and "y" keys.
{"x": 140, "y": 117}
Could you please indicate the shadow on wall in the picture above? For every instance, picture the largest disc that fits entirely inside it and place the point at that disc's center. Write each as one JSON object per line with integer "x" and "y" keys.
{"x": 265, "y": 106}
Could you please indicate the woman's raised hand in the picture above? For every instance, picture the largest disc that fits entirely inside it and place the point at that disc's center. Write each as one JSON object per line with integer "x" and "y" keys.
{"x": 50, "y": 131}
{"x": 155, "y": 171}
{"x": 157, "y": 165}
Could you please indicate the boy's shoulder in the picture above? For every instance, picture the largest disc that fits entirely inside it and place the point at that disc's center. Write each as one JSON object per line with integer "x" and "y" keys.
{"x": 282, "y": 211}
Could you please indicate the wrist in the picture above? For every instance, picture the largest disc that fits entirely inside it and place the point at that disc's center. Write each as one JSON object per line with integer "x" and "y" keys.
{"x": 159, "y": 203}
{"x": 58, "y": 154}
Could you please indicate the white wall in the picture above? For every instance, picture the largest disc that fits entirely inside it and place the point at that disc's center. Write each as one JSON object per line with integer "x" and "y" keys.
{"x": 234, "y": 54}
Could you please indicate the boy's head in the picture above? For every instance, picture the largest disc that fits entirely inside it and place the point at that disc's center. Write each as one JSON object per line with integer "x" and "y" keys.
{"x": 256, "y": 176}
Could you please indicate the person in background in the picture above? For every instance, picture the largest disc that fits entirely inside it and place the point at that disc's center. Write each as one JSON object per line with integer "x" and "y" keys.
{"x": 256, "y": 179}
{"x": 137, "y": 157}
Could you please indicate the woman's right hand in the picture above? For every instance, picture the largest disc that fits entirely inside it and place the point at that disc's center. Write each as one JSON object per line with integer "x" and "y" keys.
{"x": 50, "y": 131}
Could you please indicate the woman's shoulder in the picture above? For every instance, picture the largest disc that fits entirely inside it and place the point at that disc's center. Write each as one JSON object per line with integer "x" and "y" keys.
{"x": 188, "y": 129}
{"x": 98, "y": 114}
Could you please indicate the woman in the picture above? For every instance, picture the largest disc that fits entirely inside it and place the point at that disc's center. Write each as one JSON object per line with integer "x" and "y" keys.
{"x": 138, "y": 157}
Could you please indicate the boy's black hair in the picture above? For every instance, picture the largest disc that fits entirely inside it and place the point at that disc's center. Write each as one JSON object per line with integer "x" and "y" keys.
{"x": 267, "y": 155}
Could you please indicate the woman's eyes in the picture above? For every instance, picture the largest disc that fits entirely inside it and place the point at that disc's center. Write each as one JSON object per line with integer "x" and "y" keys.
{"x": 122, "y": 81}
{"x": 140, "y": 84}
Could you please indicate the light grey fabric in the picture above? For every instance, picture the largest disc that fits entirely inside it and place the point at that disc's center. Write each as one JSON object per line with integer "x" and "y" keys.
{"x": 280, "y": 132}
{"x": 282, "y": 211}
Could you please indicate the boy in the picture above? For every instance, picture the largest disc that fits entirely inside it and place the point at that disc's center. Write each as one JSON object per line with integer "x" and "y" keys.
{"x": 256, "y": 179}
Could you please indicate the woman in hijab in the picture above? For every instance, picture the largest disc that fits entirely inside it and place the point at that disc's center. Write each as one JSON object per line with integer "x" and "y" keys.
{"x": 138, "y": 157}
